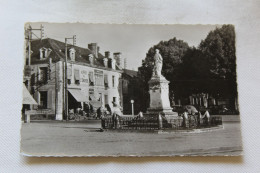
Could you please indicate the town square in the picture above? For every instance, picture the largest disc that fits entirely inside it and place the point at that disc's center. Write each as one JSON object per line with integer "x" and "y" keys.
{"x": 175, "y": 99}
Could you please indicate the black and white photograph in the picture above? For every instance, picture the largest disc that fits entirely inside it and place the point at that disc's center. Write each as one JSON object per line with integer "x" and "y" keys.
{"x": 130, "y": 90}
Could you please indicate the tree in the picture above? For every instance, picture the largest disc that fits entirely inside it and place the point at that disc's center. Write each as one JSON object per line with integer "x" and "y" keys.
{"x": 219, "y": 49}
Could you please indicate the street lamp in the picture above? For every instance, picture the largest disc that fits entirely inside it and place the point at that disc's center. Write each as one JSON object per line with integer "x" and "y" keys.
{"x": 132, "y": 102}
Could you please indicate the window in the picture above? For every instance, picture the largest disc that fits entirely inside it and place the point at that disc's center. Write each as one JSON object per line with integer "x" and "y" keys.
{"x": 69, "y": 75}
{"x": 33, "y": 79}
{"x": 43, "y": 73}
{"x": 76, "y": 76}
{"x": 113, "y": 81}
{"x": 43, "y": 99}
{"x": 114, "y": 99}
{"x": 99, "y": 81}
{"x": 105, "y": 81}
{"x": 106, "y": 99}
{"x": 100, "y": 97}
{"x": 91, "y": 78}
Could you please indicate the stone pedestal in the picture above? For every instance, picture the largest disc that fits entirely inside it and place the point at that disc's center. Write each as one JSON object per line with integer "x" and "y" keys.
{"x": 159, "y": 99}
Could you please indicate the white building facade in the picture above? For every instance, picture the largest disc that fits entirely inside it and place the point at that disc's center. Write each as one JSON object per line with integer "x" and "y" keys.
{"x": 90, "y": 78}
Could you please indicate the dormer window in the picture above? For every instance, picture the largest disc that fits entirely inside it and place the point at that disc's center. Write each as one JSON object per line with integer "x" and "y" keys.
{"x": 91, "y": 59}
{"x": 44, "y": 52}
{"x": 72, "y": 54}
{"x": 113, "y": 64}
{"x": 41, "y": 53}
{"x": 105, "y": 62}
{"x": 47, "y": 52}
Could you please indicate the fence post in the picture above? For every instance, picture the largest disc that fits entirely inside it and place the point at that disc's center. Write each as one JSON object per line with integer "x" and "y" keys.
{"x": 160, "y": 123}
{"x": 103, "y": 123}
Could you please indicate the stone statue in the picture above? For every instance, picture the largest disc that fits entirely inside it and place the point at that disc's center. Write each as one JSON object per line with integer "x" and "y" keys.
{"x": 157, "y": 64}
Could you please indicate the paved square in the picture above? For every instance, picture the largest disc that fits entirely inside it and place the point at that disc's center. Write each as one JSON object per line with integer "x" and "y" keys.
{"x": 82, "y": 139}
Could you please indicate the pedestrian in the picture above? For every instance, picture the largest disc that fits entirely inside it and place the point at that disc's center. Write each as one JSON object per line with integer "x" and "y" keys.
{"x": 185, "y": 119}
{"x": 116, "y": 115}
{"x": 116, "y": 109}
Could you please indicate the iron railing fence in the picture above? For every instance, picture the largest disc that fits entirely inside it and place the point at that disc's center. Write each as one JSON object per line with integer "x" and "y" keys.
{"x": 131, "y": 123}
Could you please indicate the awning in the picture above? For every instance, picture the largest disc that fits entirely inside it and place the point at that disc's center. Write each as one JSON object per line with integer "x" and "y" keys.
{"x": 78, "y": 95}
{"x": 27, "y": 98}
{"x": 92, "y": 97}
{"x": 95, "y": 103}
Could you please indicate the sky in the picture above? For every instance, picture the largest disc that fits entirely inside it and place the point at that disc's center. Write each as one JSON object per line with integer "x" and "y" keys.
{"x": 133, "y": 41}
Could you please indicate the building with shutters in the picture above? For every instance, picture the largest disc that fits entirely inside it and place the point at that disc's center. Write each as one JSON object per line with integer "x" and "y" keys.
{"x": 93, "y": 79}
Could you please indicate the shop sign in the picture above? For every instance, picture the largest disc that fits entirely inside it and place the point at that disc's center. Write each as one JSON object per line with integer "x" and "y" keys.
{"x": 84, "y": 76}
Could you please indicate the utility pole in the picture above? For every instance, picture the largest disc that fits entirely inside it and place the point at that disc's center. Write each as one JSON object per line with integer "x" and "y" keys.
{"x": 66, "y": 75}
{"x": 27, "y": 67}
{"x": 30, "y": 32}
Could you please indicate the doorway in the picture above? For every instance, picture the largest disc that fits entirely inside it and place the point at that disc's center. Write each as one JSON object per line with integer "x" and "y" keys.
{"x": 43, "y": 99}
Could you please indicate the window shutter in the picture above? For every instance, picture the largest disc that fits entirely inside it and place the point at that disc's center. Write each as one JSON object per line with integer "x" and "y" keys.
{"x": 69, "y": 73}
{"x": 105, "y": 80}
{"x": 76, "y": 74}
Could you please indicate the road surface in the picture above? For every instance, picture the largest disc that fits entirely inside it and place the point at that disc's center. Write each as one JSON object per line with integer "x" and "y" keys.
{"x": 53, "y": 138}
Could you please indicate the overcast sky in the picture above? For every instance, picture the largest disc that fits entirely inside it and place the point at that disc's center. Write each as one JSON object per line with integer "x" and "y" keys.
{"x": 133, "y": 41}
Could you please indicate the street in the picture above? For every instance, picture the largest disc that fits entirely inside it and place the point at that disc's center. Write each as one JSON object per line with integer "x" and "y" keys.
{"x": 53, "y": 138}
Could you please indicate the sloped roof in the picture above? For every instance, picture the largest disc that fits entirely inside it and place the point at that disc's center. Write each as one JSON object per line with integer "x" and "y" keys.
{"x": 58, "y": 52}
{"x": 130, "y": 73}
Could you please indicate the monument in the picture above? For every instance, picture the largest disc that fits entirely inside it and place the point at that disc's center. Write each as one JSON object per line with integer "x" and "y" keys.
{"x": 159, "y": 92}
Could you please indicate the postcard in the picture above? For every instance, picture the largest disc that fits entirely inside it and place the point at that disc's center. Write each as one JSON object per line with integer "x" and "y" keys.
{"x": 130, "y": 90}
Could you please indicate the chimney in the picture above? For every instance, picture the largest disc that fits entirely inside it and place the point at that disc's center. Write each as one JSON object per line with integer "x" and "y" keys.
{"x": 107, "y": 54}
{"x": 94, "y": 49}
{"x": 125, "y": 63}
{"x": 118, "y": 58}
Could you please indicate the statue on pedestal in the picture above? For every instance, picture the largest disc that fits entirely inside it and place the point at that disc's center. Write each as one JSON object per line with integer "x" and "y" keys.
{"x": 159, "y": 93}
{"x": 157, "y": 64}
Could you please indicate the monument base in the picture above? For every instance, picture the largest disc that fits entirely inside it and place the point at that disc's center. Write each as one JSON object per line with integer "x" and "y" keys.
{"x": 167, "y": 113}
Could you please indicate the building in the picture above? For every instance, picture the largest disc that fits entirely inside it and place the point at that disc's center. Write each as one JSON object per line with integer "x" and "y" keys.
{"x": 132, "y": 90}
{"x": 93, "y": 79}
